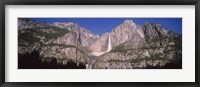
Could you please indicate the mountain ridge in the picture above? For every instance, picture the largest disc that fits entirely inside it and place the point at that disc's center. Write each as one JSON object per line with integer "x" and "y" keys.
{"x": 149, "y": 44}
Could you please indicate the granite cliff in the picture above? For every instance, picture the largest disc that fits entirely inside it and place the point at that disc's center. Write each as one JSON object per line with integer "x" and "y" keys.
{"x": 127, "y": 46}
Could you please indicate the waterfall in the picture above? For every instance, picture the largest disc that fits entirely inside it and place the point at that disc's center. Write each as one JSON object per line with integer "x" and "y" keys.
{"x": 109, "y": 44}
{"x": 109, "y": 48}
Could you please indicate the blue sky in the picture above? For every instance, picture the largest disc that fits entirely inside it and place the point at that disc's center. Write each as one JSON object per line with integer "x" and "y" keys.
{"x": 102, "y": 25}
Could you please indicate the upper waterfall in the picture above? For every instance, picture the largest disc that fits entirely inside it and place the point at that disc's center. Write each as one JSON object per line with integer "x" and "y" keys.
{"x": 109, "y": 48}
{"x": 109, "y": 44}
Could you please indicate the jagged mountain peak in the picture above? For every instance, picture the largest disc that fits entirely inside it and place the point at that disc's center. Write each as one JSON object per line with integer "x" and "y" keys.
{"x": 154, "y": 24}
{"x": 129, "y": 22}
{"x": 65, "y": 23}
{"x": 157, "y": 29}
{"x": 125, "y": 25}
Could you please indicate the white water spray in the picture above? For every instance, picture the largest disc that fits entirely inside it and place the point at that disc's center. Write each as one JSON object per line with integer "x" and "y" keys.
{"x": 109, "y": 44}
{"x": 109, "y": 48}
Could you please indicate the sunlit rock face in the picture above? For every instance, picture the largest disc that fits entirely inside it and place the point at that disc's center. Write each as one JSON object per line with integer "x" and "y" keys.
{"x": 84, "y": 36}
{"x": 135, "y": 46}
{"x": 100, "y": 45}
{"x": 127, "y": 46}
{"x": 122, "y": 33}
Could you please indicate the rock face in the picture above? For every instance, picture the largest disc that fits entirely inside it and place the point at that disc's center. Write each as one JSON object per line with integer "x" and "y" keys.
{"x": 127, "y": 46}
{"x": 140, "y": 47}
{"x": 24, "y": 23}
{"x": 84, "y": 36}
{"x": 66, "y": 41}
